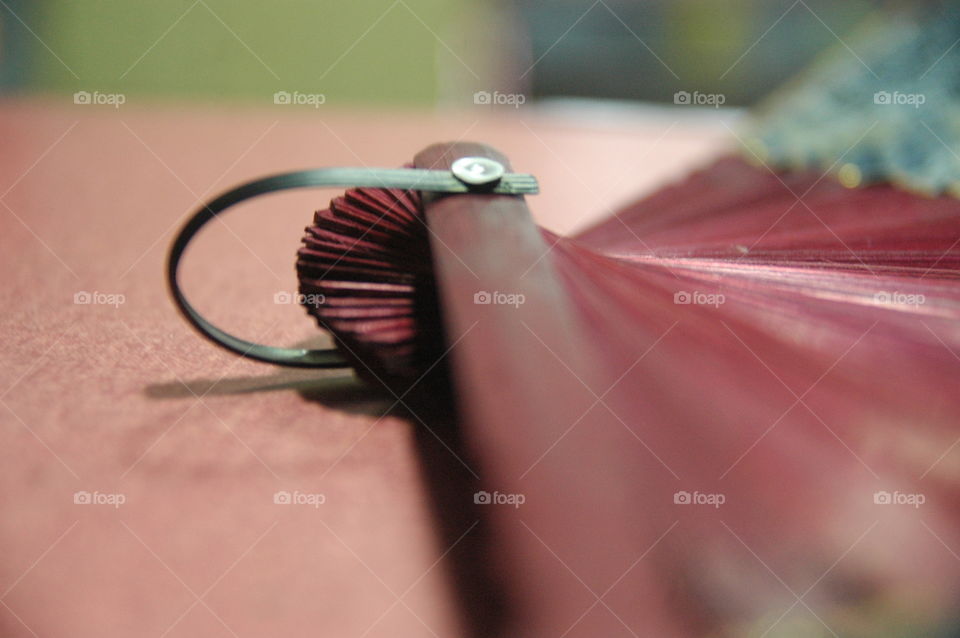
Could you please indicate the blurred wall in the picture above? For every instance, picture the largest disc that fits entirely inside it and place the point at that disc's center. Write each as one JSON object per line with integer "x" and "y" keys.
{"x": 349, "y": 50}
{"x": 650, "y": 49}
{"x": 418, "y": 52}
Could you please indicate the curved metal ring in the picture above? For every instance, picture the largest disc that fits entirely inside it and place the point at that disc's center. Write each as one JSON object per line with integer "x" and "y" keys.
{"x": 409, "y": 179}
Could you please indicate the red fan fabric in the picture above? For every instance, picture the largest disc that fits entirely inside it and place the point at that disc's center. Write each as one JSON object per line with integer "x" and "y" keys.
{"x": 792, "y": 348}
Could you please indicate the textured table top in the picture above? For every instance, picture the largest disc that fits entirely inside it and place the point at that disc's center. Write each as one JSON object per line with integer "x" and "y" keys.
{"x": 181, "y": 447}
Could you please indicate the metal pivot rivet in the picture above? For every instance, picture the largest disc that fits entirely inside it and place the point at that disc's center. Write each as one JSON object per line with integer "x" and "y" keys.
{"x": 477, "y": 171}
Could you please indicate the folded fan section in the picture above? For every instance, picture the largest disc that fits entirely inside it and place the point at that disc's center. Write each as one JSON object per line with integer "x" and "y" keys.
{"x": 364, "y": 268}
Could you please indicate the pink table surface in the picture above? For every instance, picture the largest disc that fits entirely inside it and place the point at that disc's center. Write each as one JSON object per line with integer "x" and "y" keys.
{"x": 127, "y": 400}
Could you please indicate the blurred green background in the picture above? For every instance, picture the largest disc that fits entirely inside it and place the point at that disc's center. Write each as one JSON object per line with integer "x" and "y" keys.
{"x": 216, "y": 48}
{"x": 412, "y": 52}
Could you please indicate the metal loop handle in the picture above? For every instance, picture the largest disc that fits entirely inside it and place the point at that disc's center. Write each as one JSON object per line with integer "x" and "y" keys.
{"x": 471, "y": 175}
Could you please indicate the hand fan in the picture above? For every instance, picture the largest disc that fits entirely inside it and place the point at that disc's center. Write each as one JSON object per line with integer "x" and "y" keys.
{"x": 729, "y": 410}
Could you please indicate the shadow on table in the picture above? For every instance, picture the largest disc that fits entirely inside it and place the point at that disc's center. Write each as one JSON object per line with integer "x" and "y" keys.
{"x": 337, "y": 390}
{"x": 449, "y": 475}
